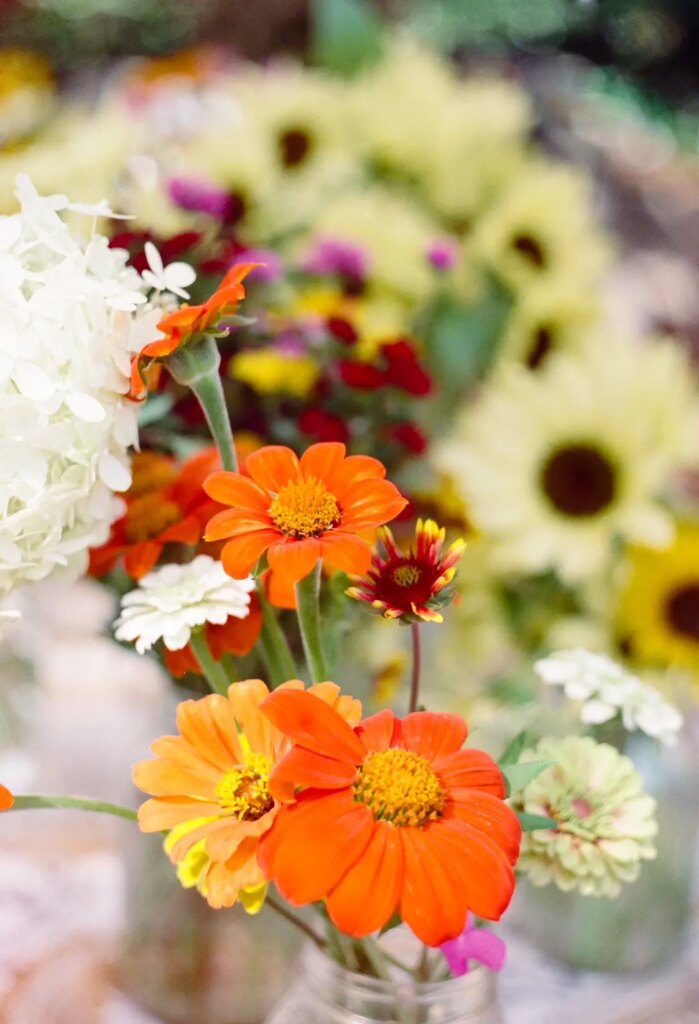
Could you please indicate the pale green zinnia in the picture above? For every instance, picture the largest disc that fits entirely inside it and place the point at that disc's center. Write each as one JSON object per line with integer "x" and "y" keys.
{"x": 606, "y": 822}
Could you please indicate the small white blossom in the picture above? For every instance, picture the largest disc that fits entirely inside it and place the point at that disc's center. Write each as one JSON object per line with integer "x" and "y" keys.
{"x": 172, "y": 601}
{"x": 171, "y": 278}
{"x": 606, "y": 690}
{"x": 73, "y": 315}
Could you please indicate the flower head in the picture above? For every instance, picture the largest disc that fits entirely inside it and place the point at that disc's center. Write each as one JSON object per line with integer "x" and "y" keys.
{"x": 173, "y": 600}
{"x": 234, "y": 636}
{"x": 72, "y": 313}
{"x": 477, "y": 944}
{"x": 187, "y": 323}
{"x": 6, "y": 799}
{"x": 393, "y": 816}
{"x": 606, "y": 690}
{"x": 301, "y": 510}
{"x": 414, "y": 585}
{"x": 210, "y": 786}
{"x": 605, "y": 823}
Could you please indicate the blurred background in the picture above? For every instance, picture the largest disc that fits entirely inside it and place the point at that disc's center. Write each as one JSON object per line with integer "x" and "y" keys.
{"x": 119, "y": 99}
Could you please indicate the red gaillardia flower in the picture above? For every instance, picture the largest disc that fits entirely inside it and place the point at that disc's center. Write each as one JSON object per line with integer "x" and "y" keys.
{"x": 414, "y": 585}
{"x": 301, "y": 510}
{"x": 180, "y": 327}
{"x": 6, "y": 799}
{"x": 393, "y": 816}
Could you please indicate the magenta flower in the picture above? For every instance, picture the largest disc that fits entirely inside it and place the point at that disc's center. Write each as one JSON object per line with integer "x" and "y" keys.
{"x": 442, "y": 254}
{"x": 200, "y": 196}
{"x": 334, "y": 256}
{"x": 474, "y": 944}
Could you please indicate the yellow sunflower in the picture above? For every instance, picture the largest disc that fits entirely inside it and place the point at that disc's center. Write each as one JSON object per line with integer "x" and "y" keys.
{"x": 658, "y": 613}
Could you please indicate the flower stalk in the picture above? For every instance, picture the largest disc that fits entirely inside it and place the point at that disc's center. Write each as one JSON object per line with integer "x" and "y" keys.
{"x": 197, "y": 367}
{"x": 215, "y": 674}
{"x": 37, "y": 801}
{"x": 275, "y": 649}
{"x": 415, "y": 679}
{"x": 308, "y": 611}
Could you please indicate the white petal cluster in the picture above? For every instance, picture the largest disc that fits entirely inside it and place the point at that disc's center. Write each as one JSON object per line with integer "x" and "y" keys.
{"x": 606, "y": 690}
{"x": 172, "y": 601}
{"x": 73, "y": 314}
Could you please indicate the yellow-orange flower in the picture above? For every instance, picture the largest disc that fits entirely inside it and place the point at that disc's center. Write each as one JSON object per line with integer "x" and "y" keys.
{"x": 301, "y": 511}
{"x": 210, "y": 783}
{"x": 181, "y": 326}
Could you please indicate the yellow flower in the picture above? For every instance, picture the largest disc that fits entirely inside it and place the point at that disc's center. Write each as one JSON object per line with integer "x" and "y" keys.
{"x": 23, "y": 69}
{"x": 658, "y": 613}
{"x": 549, "y": 319}
{"x": 269, "y": 372}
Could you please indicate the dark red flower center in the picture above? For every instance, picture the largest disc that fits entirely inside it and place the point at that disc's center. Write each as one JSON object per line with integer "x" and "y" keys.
{"x": 530, "y": 249}
{"x": 579, "y": 480}
{"x": 682, "y": 611}
{"x": 294, "y": 144}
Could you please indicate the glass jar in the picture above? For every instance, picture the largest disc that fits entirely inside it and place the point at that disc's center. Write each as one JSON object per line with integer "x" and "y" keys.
{"x": 647, "y": 923}
{"x": 327, "y": 993}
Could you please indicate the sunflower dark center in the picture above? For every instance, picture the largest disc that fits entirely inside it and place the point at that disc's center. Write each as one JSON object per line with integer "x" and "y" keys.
{"x": 294, "y": 145}
{"x": 237, "y": 207}
{"x": 682, "y": 610}
{"x": 542, "y": 343}
{"x": 579, "y": 480}
{"x": 530, "y": 249}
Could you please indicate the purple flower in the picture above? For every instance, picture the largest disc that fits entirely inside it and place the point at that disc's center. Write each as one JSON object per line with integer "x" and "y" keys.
{"x": 333, "y": 256}
{"x": 200, "y": 196}
{"x": 270, "y": 269}
{"x": 474, "y": 944}
{"x": 443, "y": 253}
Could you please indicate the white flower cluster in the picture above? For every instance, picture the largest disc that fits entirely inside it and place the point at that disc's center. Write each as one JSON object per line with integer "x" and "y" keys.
{"x": 73, "y": 314}
{"x": 172, "y": 601}
{"x": 606, "y": 690}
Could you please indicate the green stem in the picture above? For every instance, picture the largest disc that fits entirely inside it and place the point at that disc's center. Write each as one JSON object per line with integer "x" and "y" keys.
{"x": 214, "y": 673}
{"x": 289, "y": 916}
{"x": 275, "y": 650}
{"x": 196, "y": 366}
{"x": 27, "y": 803}
{"x": 308, "y": 611}
{"x": 415, "y": 680}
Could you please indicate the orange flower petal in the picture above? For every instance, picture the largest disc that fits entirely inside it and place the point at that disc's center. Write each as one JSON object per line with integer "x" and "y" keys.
{"x": 470, "y": 769}
{"x": 238, "y": 273}
{"x": 304, "y": 768}
{"x": 234, "y": 521}
{"x": 367, "y": 896}
{"x": 488, "y": 814}
{"x": 280, "y": 590}
{"x": 6, "y": 798}
{"x": 240, "y": 553}
{"x": 294, "y": 559}
{"x": 313, "y": 843}
{"x": 236, "y": 490}
{"x": 353, "y": 469}
{"x": 140, "y": 559}
{"x": 187, "y": 531}
{"x": 489, "y": 876}
{"x": 432, "y": 902}
{"x": 208, "y": 724}
{"x": 371, "y": 503}
{"x": 167, "y": 778}
{"x": 377, "y": 730}
{"x": 346, "y": 551}
{"x": 310, "y": 722}
{"x": 246, "y": 698}
{"x": 174, "y": 748}
{"x": 322, "y": 460}
{"x": 166, "y": 812}
{"x": 273, "y": 467}
{"x": 236, "y": 636}
{"x": 431, "y": 735}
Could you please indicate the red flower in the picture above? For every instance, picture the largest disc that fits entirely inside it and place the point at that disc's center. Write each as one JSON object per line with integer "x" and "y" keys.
{"x": 409, "y": 436}
{"x": 404, "y": 370}
{"x": 362, "y": 376}
{"x": 322, "y": 426}
{"x": 414, "y": 585}
{"x": 393, "y": 816}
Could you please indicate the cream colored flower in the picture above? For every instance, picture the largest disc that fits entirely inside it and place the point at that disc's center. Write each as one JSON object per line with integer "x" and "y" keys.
{"x": 554, "y": 466}
{"x": 605, "y": 821}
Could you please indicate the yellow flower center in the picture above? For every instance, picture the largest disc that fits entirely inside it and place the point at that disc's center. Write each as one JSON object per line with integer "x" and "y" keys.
{"x": 401, "y": 787}
{"x": 244, "y": 790}
{"x": 148, "y": 517}
{"x": 406, "y": 575}
{"x": 305, "y": 509}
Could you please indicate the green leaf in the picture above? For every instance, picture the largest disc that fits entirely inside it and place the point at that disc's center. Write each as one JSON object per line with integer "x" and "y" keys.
{"x": 518, "y": 776}
{"x": 512, "y": 753}
{"x": 347, "y": 35}
{"x": 533, "y": 822}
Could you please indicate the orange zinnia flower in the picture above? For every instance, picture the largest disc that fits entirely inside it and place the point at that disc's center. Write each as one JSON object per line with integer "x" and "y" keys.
{"x": 301, "y": 511}
{"x": 394, "y": 816}
{"x": 210, "y": 783}
{"x": 180, "y": 327}
{"x": 6, "y": 799}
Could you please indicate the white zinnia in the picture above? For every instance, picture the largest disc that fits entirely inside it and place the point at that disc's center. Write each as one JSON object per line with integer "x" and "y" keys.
{"x": 172, "y": 601}
{"x": 606, "y": 689}
{"x": 73, "y": 314}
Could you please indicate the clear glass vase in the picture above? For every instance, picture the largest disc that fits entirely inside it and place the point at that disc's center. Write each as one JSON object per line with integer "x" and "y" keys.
{"x": 189, "y": 964}
{"x": 647, "y": 923}
{"x": 326, "y": 993}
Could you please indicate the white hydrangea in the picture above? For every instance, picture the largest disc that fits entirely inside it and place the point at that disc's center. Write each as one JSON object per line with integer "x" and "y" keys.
{"x": 73, "y": 313}
{"x": 606, "y": 690}
{"x": 172, "y": 601}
